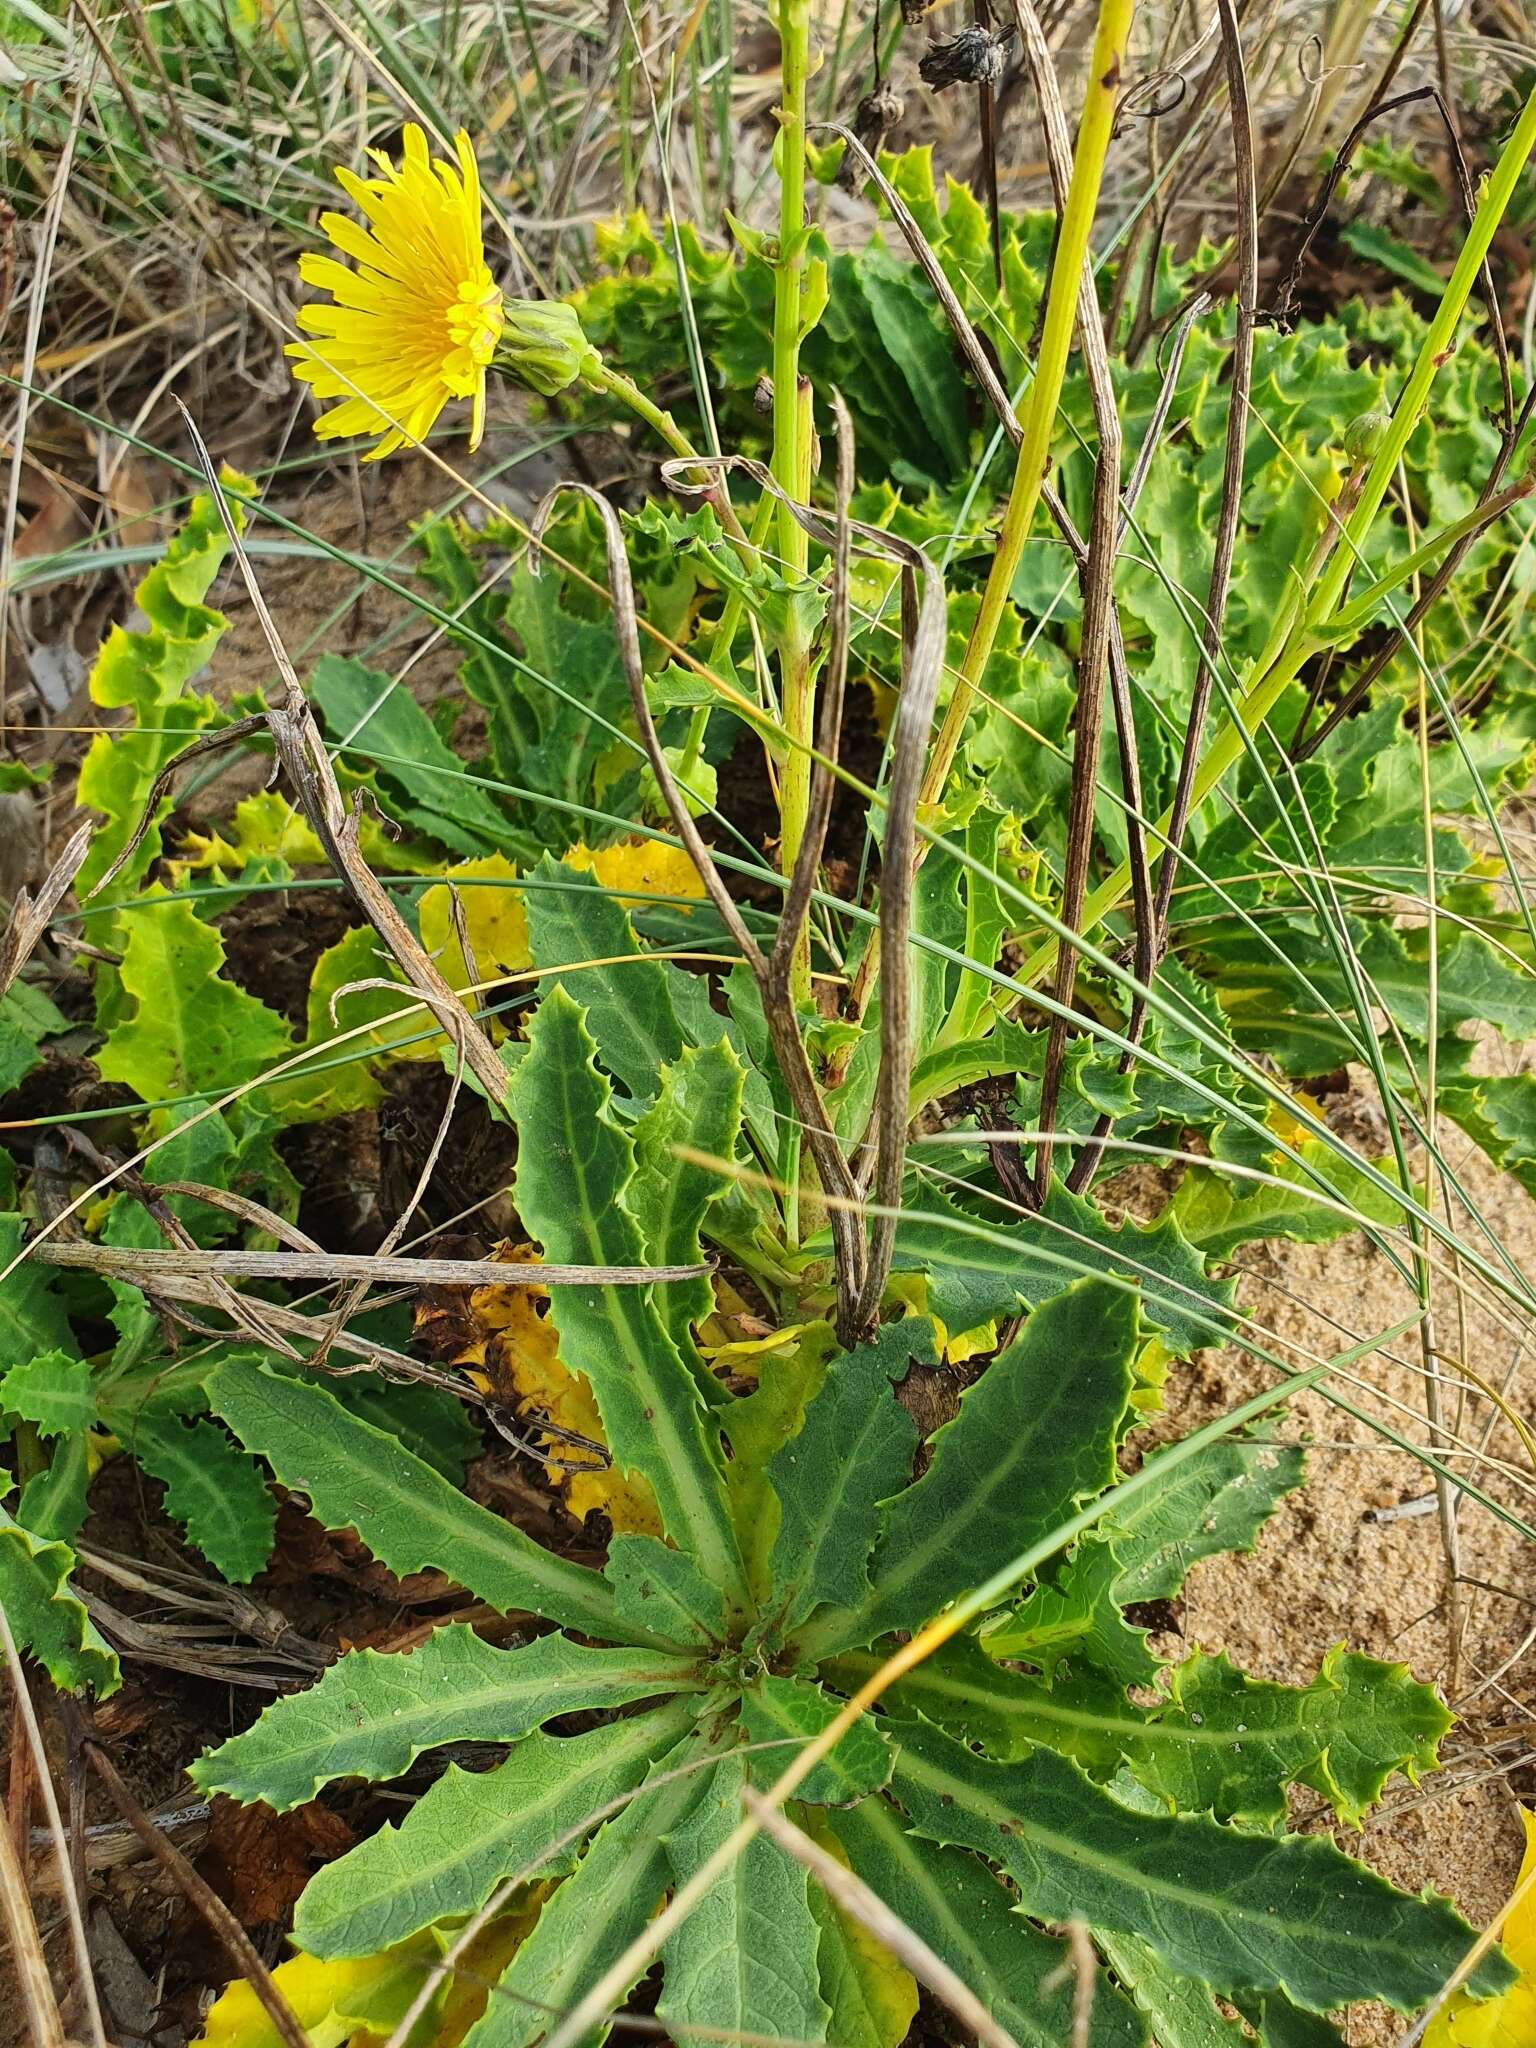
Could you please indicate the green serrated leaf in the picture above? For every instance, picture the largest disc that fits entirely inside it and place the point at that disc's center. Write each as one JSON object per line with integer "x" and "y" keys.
{"x": 548, "y": 680}
{"x": 427, "y": 1420}
{"x": 53, "y": 1502}
{"x": 574, "y": 1167}
{"x": 45, "y": 1615}
{"x": 625, "y": 998}
{"x": 1216, "y": 1501}
{"x": 52, "y": 1391}
{"x": 410, "y": 1517}
{"x": 1240, "y": 1912}
{"x": 148, "y": 671}
{"x": 871, "y": 1998}
{"x": 26, "y": 1018}
{"x": 977, "y": 1274}
{"x": 853, "y": 1450}
{"x": 966, "y": 1916}
{"x": 372, "y": 1714}
{"x": 1183, "y": 2012}
{"x": 662, "y": 1591}
{"x": 472, "y": 1829}
{"x": 32, "y": 1317}
{"x": 1035, "y": 1436}
{"x": 1217, "y": 1213}
{"x": 420, "y": 779}
{"x": 189, "y": 1032}
{"x": 960, "y": 1688}
{"x": 1230, "y": 1745}
{"x": 1077, "y": 1615}
{"x": 699, "y": 1108}
{"x": 218, "y": 1494}
{"x": 598, "y": 1911}
{"x": 745, "y": 1957}
{"x": 793, "y": 1711}
{"x": 1279, "y": 2024}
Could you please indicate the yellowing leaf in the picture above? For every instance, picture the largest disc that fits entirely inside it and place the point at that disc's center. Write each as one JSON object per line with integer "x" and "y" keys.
{"x": 268, "y": 827}
{"x": 639, "y": 867}
{"x": 516, "y": 1356}
{"x": 494, "y": 918}
{"x": 1508, "y": 2021}
{"x": 324, "y": 1996}
{"x": 873, "y": 1996}
{"x": 264, "y": 826}
{"x": 357, "y": 2002}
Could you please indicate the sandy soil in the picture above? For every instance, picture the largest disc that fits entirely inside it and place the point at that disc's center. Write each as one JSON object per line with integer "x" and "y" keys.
{"x": 1336, "y": 1563}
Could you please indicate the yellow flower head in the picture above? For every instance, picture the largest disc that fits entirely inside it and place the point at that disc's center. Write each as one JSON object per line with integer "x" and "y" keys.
{"x": 418, "y": 321}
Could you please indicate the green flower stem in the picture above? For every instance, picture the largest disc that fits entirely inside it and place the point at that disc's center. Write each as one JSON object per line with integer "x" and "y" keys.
{"x": 614, "y": 384}
{"x": 1063, "y": 300}
{"x": 1311, "y": 616}
{"x": 792, "y": 446}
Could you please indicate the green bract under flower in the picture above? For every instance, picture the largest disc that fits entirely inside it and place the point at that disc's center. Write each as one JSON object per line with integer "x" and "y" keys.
{"x": 544, "y": 346}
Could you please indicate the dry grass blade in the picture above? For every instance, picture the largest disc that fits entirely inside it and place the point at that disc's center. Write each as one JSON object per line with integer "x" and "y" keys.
{"x": 29, "y": 915}
{"x": 210, "y": 743}
{"x": 38, "y": 2002}
{"x": 220, "y": 1919}
{"x": 886, "y": 1142}
{"x": 853, "y": 1896}
{"x": 86, "y": 1977}
{"x": 171, "y": 1262}
{"x": 300, "y": 748}
{"x": 833, "y": 684}
{"x": 783, "y": 1026}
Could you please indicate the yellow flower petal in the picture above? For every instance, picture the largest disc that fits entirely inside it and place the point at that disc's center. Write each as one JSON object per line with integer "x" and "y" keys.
{"x": 416, "y": 324}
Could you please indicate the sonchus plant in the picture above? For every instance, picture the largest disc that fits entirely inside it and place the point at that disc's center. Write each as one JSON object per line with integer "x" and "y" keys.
{"x": 1043, "y": 1769}
{"x": 821, "y": 1641}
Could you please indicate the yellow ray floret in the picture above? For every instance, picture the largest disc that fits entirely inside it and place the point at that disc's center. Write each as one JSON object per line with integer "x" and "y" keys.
{"x": 418, "y": 321}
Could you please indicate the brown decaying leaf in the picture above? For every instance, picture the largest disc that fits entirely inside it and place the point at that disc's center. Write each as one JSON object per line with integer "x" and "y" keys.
{"x": 260, "y": 1861}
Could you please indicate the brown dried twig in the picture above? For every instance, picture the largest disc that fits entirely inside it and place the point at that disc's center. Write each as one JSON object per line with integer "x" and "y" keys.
{"x": 29, "y": 915}
{"x": 86, "y": 1976}
{"x": 41, "y": 2007}
{"x": 1221, "y": 561}
{"x": 170, "y": 1262}
{"x": 1285, "y": 302}
{"x": 219, "y": 1918}
{"x": 783, "y": 1026}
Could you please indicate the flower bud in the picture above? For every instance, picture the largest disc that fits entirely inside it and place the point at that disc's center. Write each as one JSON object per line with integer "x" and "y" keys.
{"x": 543, "y": 346}
{"x": 1362, "y": 437}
